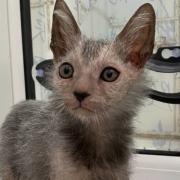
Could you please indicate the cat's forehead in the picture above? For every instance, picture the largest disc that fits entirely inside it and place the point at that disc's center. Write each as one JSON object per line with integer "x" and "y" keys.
{"x": 88, "y": 52}
{"x": 92, "y": 49}
{"x": 92, "y": 54}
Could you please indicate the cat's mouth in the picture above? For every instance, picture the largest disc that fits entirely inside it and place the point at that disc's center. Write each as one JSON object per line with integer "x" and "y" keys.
{"x": 81, "y": 107}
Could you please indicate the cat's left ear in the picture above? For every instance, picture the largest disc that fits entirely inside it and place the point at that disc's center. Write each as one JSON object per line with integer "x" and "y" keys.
{"x": 65, "y": 31}
{"x": 136, "y": 41}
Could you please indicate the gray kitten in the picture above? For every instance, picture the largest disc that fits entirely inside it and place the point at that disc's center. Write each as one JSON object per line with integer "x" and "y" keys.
{"x": 84, "y": 131}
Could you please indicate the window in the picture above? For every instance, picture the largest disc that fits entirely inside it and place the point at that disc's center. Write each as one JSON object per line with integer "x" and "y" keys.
{"x": 158, "y": 124}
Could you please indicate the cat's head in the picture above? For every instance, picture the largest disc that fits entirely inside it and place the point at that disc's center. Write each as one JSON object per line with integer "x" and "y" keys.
{"x": 91, "y": 78}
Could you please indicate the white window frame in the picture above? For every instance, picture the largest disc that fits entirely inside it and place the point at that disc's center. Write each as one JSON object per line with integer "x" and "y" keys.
{"x": 152, "y": 167}
{"x": 16, "y": 51}
{"x": 144, "y": 167}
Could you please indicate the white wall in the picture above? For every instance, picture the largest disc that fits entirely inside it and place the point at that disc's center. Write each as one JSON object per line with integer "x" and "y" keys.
{"x": 11, "y": 62}
{"x": 6, "y": 95}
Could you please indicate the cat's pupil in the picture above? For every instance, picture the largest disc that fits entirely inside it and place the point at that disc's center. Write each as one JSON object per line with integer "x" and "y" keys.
{"x": 66, "y": 70}
{"x": 109, "y": 73}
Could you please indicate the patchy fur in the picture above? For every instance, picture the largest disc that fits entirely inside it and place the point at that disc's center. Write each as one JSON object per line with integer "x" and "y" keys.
{"x": 64, "y": 139}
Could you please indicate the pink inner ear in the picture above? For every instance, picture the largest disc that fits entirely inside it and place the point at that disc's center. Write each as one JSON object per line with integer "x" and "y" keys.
{"x": 134, "y": 59}
{"x": 136, "y": 41}
{"x": 140, "y": 48}
{"x": 137, "y": 59}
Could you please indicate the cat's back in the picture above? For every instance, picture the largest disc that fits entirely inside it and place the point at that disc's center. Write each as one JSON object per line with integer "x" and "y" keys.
{"x": 24, "y": 135}
{"x": 25, "y": 120}
{"x": 25, "y": 112}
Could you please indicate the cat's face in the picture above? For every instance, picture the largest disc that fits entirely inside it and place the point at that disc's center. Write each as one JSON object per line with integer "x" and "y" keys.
{"x": 93, "y": 77}
{"x": 92, "y": 86}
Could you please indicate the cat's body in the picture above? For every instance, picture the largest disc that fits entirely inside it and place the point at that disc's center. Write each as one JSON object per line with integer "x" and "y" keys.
{"x": 44, "y": 142}
{"x": 84, "y": 131}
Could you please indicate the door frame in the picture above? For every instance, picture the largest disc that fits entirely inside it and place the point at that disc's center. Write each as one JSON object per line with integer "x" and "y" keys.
{"x": 16, "y": 51}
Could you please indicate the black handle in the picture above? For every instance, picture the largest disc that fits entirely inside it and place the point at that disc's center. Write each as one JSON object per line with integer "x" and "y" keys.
{"x": 158, "y": 63}
{"x": 170, "y": 98}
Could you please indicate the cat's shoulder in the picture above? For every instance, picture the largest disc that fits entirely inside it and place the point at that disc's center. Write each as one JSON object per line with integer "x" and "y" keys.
{"x": 28, "y": 106}
{"x": 25, "y": 111}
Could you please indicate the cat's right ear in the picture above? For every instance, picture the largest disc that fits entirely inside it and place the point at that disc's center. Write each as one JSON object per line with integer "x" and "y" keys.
{"x": 65, "y": 31}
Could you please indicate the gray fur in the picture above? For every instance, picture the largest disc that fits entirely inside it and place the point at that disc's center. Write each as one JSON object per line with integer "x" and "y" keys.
{"x": 34, "y": 129}
{"x": 92, "y": 48}
{"x": 51, "y": 140}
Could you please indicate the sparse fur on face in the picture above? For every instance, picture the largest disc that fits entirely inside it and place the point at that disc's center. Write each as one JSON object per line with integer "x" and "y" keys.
{"x": 84, "y": 131}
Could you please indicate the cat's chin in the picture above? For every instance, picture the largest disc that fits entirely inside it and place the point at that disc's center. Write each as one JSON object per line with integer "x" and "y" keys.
{"x": 83, "y": 113}
{"x": 83, "y": 109}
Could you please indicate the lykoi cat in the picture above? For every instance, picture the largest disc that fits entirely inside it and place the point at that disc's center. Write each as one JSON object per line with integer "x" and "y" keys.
{"x": 84, "y": 131}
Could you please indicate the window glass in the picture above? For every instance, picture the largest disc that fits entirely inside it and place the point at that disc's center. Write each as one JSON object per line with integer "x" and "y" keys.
{"x": 157, "y": 124}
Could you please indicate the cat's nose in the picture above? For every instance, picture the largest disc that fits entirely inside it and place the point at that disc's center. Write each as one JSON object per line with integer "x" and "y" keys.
{"x": 80, "y": 96}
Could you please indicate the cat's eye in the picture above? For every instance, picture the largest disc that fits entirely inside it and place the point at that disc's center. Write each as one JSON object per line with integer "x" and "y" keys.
{"x": 109, "y": 74}
{"x": 66, "y": 71}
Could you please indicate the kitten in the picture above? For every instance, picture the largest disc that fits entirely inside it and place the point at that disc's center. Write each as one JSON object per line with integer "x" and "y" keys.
{"x": 84, "y": 131}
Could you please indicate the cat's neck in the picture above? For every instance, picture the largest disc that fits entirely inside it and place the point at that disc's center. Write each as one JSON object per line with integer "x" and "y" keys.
{"x": 96, "y": 143}
{"x": 102, "y": 144}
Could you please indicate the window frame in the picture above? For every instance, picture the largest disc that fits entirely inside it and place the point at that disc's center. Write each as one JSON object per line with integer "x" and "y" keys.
{"x": 16, "y": 50}
{"x": 155, "y": 167}
{"x": 27, "y": 48}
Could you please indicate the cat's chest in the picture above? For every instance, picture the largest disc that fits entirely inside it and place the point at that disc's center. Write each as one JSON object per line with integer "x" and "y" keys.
{"x": 64, "y": 168}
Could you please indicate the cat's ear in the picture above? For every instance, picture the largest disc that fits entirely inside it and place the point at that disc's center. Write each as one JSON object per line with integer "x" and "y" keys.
{"x": 65, "y": 31}
{"x": 136, "y": 41}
